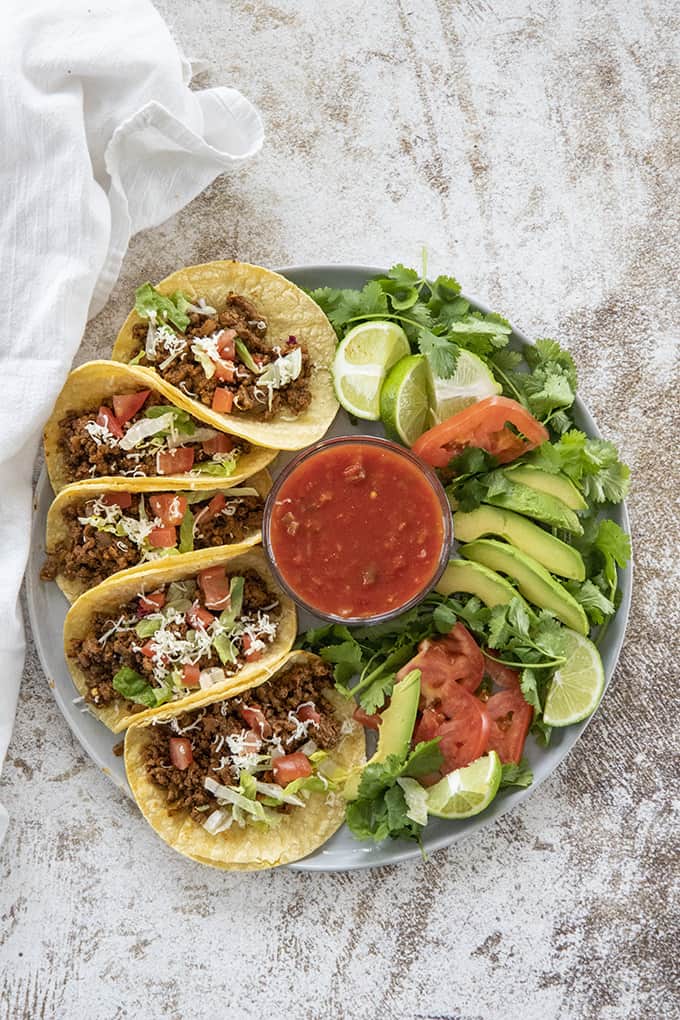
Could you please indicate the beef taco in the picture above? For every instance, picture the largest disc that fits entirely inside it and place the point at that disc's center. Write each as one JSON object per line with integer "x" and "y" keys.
{"x": 95, "y": 532}
{"x": 242, "y": 347}
{"x": 250, "y": 778}
{"x": 169, "y": 634}
{"x": 113, "y": 420}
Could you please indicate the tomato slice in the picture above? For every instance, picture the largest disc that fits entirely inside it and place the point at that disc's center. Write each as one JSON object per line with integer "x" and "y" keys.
{"x": 121, "y": 499}
{"x": 483, "y": 424}
{"x": 453, "y": 656}
{"x": 199, "y": 617}
{"x": 226, "y": 344}
{"x": 502, "y": 676}
{"x": 175, "y": 462}
{"x": 214, "y": 584}
{"x": 169, "y": 506}
{"x": 288, "y": 767}
{"x": 181, "y": 752}
{"x": 254, "y": 718}
{"x": 151, "y": 603}
{"x": 107, "y": 418}
{"x": 126, "y": 405}
{"x": 465, "y": 732}
{"x": 428, "y": 725}
{"x": 370, "y": 722}
{"x": 191, "y": 675}
{"x": 163, "y": 538}
{"x": 218, "y": 444}
{"x": 510, "y": 718}
{"x": 223, "y": 399}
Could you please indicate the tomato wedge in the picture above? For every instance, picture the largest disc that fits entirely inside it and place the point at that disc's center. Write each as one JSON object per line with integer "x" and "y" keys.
{"x": 107, "y": 418}
{"x": 370, "y": 722}
{"x": 169, "y": 507}
{"x": 223, "y": 399}
{"x": 218, "y": 444}
{"x": 175, "y": 462}
{"x": 510, "y": 718}
{"x": 453, "y": 656}
{"x": 502, "y": 676}
{"x": 126, "y": 405}
{"x": 121, "y": 499}
{"x": 254, "y": 718}
{"x": 288, "y": 767}
{"x": 181, "y": 752}
{"x": 465, "y": 732}
{"x": 163, "y": 538}
{"x": 191, "y": 675}
{"x": 214, "y": 584}
{"x": 483, "y": 424}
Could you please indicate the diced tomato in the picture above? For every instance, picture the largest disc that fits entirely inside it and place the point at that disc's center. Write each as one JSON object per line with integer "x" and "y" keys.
{"x": 199, "y": 617}
{"x": 121, "y": 499}
{"x": 306, "y": 713}
{"x": 126, "y": 405}
{"x": 251, "y": 742}
{"x": 175, "y": 462}
{"x": 169, "y": 506}
{"x": 222, "y": 400}
{"x": 289, "y": 767}
{"x": 465, "y": 732}
{"x": 254, "y": 718}
{"x": 191, "y": 676}
{"x": 428, "y": 725}
{"x": 107, "y": 418}
{"x": 225, "y": 373}
{"x": 371, "y": 722}
{"x": 220, "y": 443}
{"x": 483, "y": 424}
{"x": 214, "y": 584}
{"x": 226, "y": 344}
{"x": 181, "y": 752}
{"x": 251, "y": 654}
{"x": 453, "y": 656}
{"x": 216, "y": 504}
{"x": 502, "y": 676}
{"x": 151, "y": 603}
{"x": 510, "y": 718}
{"x": 148, "y": 649}
{"x": 163, "y": 538}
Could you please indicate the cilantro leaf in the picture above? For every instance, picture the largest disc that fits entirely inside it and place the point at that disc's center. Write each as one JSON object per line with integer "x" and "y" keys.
{"x": 516, "y": 775}
{"x": 592, "y": 464}
{"x": 596, "y": 604}
{"x": 425, "y": 757}
{"x": 440, "y": 352}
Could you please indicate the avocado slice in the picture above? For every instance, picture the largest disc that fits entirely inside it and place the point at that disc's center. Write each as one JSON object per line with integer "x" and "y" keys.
{"x": 533, "y": 580}
{"x": 554, "y": 555}
{"x": 475, "y": 579}
{"x": 539, "y": 505}
{"x": 557, "y": 485}
{"x": 396, "y": 728}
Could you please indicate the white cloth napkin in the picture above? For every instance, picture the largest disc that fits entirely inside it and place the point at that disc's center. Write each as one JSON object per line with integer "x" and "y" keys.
{"x": 101, "y": 138}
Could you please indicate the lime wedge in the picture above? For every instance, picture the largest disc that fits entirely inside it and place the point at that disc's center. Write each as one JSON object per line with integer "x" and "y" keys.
{"x": 404, "y": 401}
{"x": 362, "y": 361}
{"x": 471, "y": 381}
{"x": 576, "y": 687}
{"x": 467, "y": 791}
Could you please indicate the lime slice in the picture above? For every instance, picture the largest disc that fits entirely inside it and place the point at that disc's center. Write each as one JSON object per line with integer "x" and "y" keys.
{"x": 404, "y": 400}
{"x": 467, "y": 791}
{"x": 576, "y": 687}
{"x": 362, "y": 361}
{"x": 471, "y": 381}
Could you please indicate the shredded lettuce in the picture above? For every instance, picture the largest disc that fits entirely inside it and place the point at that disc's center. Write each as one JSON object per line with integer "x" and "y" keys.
{"x": 186, "y": 532}
{"x": 134, "y": 687}
{"x": 150, "y": 304}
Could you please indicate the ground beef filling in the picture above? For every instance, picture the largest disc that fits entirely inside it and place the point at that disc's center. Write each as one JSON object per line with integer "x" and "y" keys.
{"x": 84, "y": 457}
{"x": 100, "y": 662}
{"x": 91, "y": 556}
{"x": 187, "y": 374}
{"x": 275, "y": 698}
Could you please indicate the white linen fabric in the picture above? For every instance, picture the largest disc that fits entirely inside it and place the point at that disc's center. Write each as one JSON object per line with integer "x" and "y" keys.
{"x": 101, "y": 137}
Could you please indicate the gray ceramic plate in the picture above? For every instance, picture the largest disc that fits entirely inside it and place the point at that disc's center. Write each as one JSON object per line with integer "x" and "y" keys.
{"x": 47, "y": 609}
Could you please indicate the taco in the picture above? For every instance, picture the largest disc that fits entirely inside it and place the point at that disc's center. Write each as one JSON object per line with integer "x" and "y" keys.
{"x": 169, "y": 634}
{"x": 242, "y": 347}
{"x": 251, "y": 778}
{"x": 94, "y": 532}
{"x": 115, "y": 420}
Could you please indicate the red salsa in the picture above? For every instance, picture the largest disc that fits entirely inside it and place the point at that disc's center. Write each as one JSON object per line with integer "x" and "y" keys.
{"x": 357, "y": 529}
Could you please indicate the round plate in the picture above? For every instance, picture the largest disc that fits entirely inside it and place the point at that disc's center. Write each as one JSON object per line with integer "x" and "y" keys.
{"x": 47, "y": 608}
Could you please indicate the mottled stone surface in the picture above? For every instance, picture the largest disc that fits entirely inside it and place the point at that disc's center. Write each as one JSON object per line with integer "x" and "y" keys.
{"x": 534, "y": 148}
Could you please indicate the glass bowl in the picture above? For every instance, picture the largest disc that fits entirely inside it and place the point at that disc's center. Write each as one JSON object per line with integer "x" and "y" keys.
{"x": 358, "y": 440}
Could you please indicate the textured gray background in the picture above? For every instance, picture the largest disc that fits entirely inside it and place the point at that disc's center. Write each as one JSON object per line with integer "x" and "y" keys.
{"x": 532, "y": 147}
